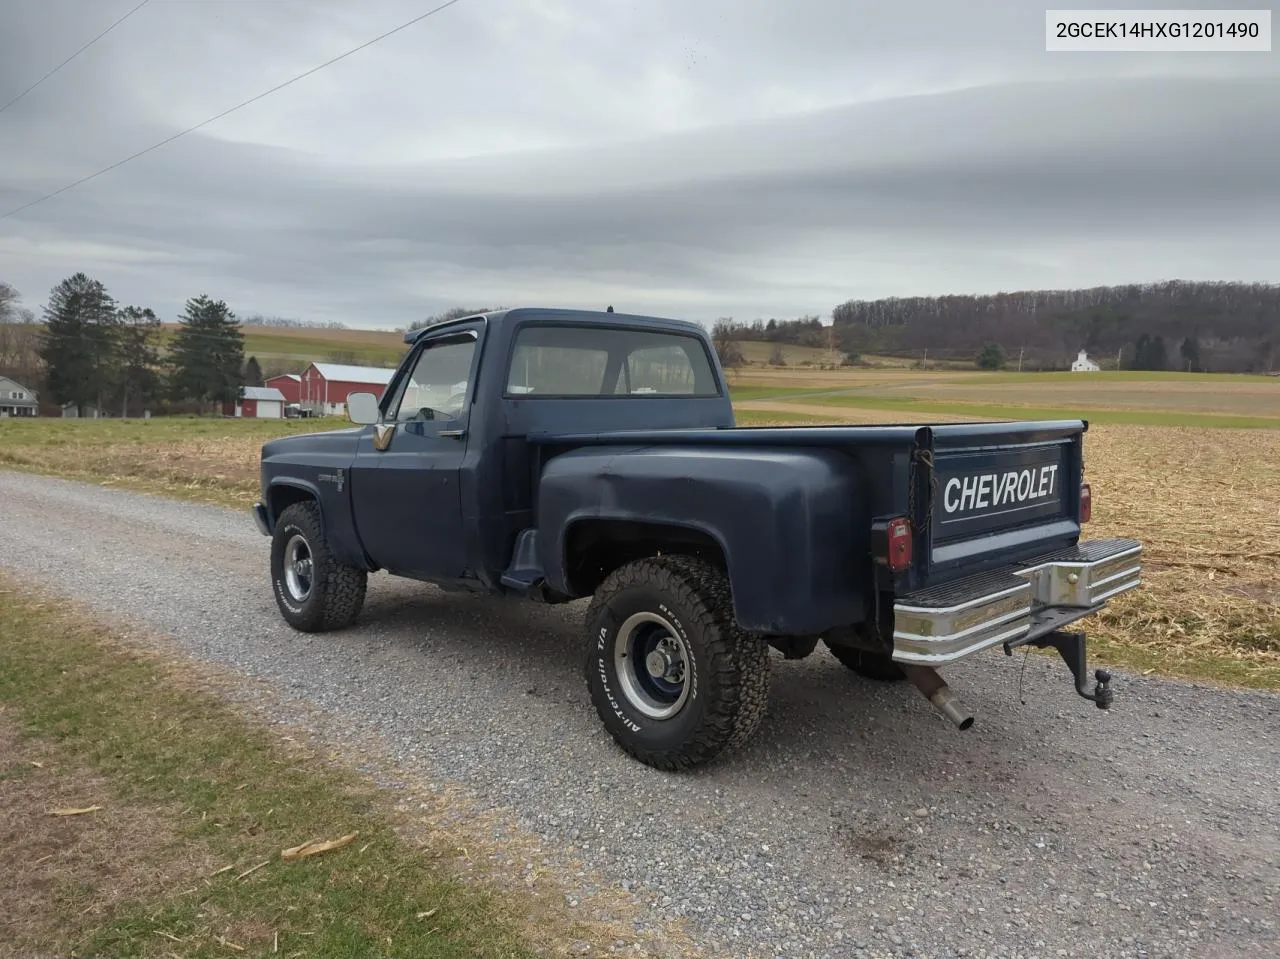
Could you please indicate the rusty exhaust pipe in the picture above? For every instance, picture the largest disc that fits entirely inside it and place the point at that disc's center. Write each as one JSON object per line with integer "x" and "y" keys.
{"x": 935, "y": 689}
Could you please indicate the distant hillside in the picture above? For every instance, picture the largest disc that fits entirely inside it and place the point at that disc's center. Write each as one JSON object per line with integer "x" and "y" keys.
{"x": 282, "y": 349}
{"x": 1219, "y": 327}
{"x": 1210, "y": 327}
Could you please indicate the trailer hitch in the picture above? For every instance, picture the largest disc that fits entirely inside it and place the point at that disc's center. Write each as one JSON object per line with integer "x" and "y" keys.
{"x": 1071, "y": 647}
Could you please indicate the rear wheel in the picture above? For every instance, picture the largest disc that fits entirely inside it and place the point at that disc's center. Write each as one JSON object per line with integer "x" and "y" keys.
{"x": 869, "y": 665}
{"x": 673, "y": 678}
{"x": 314, "y": 591}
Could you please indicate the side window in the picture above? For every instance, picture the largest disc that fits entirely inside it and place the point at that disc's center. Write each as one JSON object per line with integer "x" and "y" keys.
{"x": 436, "y": 387}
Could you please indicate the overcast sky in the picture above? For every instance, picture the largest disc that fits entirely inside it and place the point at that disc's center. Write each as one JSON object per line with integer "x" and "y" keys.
{"x": 694, "y": 158}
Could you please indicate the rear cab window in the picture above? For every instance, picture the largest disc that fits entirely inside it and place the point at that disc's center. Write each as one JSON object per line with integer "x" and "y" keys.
{"x": 585, "y": 361}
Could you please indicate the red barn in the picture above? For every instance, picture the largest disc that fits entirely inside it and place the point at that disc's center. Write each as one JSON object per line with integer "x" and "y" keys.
{"x": 289, "y": 384}
{"x": 256, "y": 402}
{"x": 325, "y": 386}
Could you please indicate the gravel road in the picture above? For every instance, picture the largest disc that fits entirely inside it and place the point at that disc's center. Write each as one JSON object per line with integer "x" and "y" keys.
{"x": 857, "y": 823}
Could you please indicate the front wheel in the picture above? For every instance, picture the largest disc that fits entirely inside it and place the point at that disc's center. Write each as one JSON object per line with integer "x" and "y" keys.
{"x": 673, "y": 678}
{"x": 313, "y": 590}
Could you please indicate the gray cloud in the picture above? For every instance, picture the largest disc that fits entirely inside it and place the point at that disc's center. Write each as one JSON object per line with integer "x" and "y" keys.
{"x": 746, "y": 159}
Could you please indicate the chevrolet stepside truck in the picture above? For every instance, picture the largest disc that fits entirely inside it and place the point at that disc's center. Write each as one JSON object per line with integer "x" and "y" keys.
{"x": 558, "y": 455}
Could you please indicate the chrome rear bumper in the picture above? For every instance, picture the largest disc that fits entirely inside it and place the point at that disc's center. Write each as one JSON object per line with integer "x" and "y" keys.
{"x": 945, "y": 623}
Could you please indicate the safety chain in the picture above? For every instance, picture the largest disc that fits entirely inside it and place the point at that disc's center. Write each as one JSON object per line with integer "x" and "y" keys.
{"x": 925, "y": 458}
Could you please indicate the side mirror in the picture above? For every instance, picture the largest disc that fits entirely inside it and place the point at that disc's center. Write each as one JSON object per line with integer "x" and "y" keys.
{"x": 362, "y": 408}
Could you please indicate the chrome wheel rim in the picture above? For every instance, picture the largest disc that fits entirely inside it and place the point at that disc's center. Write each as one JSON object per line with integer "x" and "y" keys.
{"x": 298, "y": 568}
{"x": 652, "y": 664}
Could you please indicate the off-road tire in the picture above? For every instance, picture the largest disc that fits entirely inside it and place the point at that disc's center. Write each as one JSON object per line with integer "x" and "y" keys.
{"x": 868, "y": 665}
{"x": 728, "y": 667}
{"x": 337, "y": 590}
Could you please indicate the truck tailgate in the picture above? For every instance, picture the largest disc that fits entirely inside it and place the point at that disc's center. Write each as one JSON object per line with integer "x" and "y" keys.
{"x": 999, "y": 490}
{"x": 997, "y": 508}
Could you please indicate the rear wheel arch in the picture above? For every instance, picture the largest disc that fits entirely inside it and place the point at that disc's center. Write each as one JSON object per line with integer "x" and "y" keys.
{"x": 593, "y": 547}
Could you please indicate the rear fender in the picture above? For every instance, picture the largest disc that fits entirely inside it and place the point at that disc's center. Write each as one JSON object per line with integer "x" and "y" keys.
{"x": 787, "y": 523}
{"x": 624, "y": 537}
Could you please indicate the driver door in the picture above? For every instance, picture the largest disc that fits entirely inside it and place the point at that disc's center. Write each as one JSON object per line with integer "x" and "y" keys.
{"x": 405, "y": 478}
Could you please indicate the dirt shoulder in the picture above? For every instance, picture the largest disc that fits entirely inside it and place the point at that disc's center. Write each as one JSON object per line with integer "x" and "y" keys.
{"x": 140, "y": 813}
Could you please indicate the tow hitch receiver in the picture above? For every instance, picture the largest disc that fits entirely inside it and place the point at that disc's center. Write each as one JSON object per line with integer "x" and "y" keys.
{"x": 1071, "y": 647}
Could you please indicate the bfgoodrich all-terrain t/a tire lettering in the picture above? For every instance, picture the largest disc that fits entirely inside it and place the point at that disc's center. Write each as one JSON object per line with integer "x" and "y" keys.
{"x": 725, "y": 669}
{"x": 322, "y": 593}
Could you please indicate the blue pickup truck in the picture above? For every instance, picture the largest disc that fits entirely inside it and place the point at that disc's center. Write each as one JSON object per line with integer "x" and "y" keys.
{"x": 562, "y": 455}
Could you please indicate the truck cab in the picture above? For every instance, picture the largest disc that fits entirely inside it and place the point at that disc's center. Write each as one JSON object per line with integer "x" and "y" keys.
{"x": 562, "y": 455}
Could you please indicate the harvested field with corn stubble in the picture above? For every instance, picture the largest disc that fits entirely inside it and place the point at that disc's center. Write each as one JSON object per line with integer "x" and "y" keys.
{"x": 1206, "y": 506}
{"x": 1205, "y": 503}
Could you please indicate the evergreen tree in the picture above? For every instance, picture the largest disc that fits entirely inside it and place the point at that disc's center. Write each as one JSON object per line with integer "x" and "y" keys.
{"x": 1150, "y": 353}
{"x": 253, "y": 373}
{"x": 991, "y": 357}
{"x": 1141, "y": 350}
{"x": 79, "y": 347}
{"x": 136, "y": 337}
{"x": 1159, "y": 355}
{"x": 207, "y": 356}
{"x": 1190, "y": 350}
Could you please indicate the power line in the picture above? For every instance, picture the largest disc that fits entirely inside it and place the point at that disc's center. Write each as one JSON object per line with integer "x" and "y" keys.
{"x": 230, "y": 110}
{"x": 74, "y": 55}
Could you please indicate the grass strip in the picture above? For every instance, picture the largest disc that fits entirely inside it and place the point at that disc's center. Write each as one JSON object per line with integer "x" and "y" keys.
{"x": 233, "y": 798}
{"x": 769, "y": 418}
{"x": 1224, "y": 380}
{"x": 1007, "y": 411}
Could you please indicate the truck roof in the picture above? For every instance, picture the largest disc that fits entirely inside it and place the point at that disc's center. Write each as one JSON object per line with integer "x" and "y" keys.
{"x": 592, "y": 317}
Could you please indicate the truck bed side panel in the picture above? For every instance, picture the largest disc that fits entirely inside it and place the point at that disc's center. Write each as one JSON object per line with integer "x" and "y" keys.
{"x": 790, "y": 522}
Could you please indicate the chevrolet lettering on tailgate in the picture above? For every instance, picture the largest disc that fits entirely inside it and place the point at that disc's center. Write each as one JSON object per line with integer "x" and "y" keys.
{"x": 978, "y": 493}
{"x": 1013, "y": 488}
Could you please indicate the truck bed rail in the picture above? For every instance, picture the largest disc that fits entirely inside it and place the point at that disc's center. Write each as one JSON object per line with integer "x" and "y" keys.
{"x": 944, "y": 435}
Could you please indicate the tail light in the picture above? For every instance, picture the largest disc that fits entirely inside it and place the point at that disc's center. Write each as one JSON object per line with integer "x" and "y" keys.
{"x": 897, "y": 553}
{"x": 1086, "y": 503}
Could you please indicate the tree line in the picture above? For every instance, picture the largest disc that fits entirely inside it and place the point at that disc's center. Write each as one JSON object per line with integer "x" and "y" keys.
{"x": 91, "y": 350}
{"x": 1209, "y": 326}
{"x": 290, "y": 323}
{"x": 453, "y": 313}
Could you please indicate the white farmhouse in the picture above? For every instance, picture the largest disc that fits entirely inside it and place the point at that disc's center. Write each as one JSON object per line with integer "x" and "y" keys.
{"x": 1083, "y": 364}
{"x": 16, "y": 399}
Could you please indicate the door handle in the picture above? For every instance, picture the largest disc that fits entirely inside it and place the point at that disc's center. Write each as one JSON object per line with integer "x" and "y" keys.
{"x": 453, "y": 434}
